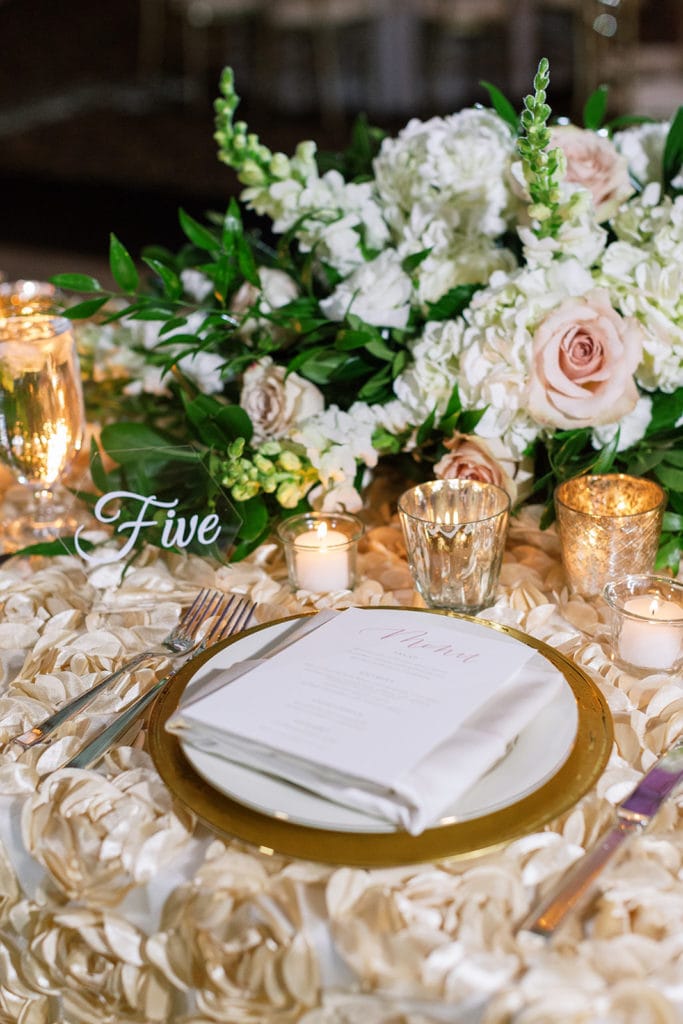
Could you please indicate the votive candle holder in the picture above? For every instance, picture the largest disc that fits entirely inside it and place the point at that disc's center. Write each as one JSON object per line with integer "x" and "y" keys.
{"x": 455, "y": 532}
{"x": 646, "y": 615}
{"x": 609, "y": 526}
{"x": 321, "y": 550}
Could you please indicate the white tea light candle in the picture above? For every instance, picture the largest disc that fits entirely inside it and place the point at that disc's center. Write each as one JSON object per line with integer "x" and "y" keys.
{"x": 647, "y": 622}
{"x": 322, "y": 561}
{"x": 320, "y": 550}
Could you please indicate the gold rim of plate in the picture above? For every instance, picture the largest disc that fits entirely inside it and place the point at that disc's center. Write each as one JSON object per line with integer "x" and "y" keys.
{"x": 233, "y": 820}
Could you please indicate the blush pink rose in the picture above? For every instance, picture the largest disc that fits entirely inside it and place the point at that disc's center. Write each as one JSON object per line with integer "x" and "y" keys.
{"x": 584, "y": 358}
{"x": 594, "y": 163}
{"x": 472, "y": 458}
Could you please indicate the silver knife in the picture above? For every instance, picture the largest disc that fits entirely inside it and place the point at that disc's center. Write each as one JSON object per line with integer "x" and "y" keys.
{"x": 633, "y": 816}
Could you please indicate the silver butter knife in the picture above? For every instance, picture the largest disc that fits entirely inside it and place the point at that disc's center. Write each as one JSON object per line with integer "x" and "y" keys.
{"x": 633, "y": 816}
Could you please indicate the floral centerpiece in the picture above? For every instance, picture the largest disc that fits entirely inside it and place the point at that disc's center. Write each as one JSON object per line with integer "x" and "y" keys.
{"x": 485, "y": 295}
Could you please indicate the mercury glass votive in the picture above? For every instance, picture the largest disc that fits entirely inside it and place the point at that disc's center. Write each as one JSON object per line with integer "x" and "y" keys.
{"x": 455, "y": 532}
{"x": 609, "y": 525}
{"x": 321, "y": 550}
{"x": 646, "y": 615}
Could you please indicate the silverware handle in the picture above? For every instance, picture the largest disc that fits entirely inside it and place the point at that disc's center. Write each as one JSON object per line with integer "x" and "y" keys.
{"x": 97, "y": 747}
{"x": 576, "y": 886}
{"x": 40, "y": 732}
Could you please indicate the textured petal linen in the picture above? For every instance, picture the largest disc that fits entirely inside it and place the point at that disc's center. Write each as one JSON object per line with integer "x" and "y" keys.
{"x": 116, "y": 907}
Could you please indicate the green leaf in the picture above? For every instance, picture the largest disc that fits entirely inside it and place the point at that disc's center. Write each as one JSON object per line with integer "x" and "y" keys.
{"x": 76, "y": 282}
{"x": 452, "y": 303}
{"x": 254, "y": 514}
{"x": 670, "y": 477}
{"x": 83, "y": 310}
{"x": 235, "y": 422}
{"x": 468, "y": 420}
{"x": 97, "y": 470}
{"x": 672, "y": 522}
{"x": 669, "y": 555}
{"x": 122, "y": 266}
{"x": 605, "y": 459}
{"x": 415, "y": 259}
{"x": 134, "y": 442}
{"x": 200, "y": 236}
{"x": 378, "y": 348}
{"x": 426, "y": 428}
{"x": 502, "y": 106}
{"x": 673, "y": 149}
{"x": 595, "y": 108}
{"x": 667, "y": 411}
{"x": 173, "y": 288}
{"x": 60, "y": 546}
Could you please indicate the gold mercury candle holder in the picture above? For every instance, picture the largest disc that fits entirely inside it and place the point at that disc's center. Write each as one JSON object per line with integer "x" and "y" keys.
{"x": 609, "y": 526}
{"x": 646, "y": 615}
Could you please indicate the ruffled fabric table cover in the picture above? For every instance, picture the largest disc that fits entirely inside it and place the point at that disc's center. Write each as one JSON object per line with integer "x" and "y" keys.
{"x": 116, "y": 906}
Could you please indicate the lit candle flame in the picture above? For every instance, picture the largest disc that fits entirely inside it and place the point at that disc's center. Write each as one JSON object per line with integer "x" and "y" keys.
{"x": 321, "y": 532}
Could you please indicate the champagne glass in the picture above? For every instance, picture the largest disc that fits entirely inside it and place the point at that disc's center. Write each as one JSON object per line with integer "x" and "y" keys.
{"x": 19, "y": 298}
{"x": 42, "y": 421}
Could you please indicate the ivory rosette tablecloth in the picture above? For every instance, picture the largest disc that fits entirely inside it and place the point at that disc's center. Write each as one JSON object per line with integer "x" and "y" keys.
{"x": 115, "y": 906}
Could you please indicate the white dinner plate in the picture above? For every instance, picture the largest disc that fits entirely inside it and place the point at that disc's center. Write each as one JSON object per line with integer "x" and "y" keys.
{"x": 538, "y": 753}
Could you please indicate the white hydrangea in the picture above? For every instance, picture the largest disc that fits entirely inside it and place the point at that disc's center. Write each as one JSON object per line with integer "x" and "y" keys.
{"x": 379, "y": 292}
{"x": 643, "y": 147}
{"x": 631, "y": 427}
{"x": 457, "y": 260}
{"x": 427, "y": 383}
{"x": 644, "y": 274}
{"x": 453, "y": 169}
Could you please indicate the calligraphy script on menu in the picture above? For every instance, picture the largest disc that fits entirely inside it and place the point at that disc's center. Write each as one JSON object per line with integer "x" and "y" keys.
{"x": 176, "y": 532}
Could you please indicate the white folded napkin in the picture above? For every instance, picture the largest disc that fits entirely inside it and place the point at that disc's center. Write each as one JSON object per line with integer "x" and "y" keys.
{"x": 393, "y": 713}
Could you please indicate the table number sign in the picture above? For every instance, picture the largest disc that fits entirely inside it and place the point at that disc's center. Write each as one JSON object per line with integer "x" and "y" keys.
{"x": 170, "y": 510}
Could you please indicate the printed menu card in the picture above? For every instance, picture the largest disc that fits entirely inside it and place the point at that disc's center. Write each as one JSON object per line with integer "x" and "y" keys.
{"x": 381, "y": 708}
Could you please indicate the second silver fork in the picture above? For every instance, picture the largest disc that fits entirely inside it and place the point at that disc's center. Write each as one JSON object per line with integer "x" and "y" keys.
{"x": 182, "y": 639}
{"x": 234, "y": 617}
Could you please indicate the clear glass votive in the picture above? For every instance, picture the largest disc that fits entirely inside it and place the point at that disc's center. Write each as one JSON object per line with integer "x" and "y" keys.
{"x": 455, "y": 532}
{"x": 609, "y": 525}
{"x": 647, "y": 622}
{"x": 321, "y": 549}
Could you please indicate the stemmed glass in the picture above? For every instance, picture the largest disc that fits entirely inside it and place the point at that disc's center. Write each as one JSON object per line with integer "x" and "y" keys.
{"x": 42, "y": 420}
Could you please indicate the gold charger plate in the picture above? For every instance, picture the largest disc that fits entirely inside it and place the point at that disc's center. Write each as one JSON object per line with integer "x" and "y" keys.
{"x": 232, "y": 819}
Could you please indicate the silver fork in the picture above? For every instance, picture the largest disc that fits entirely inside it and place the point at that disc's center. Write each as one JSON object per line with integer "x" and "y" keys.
{"x": 182, "y": 639}
{"x": 234, "y": 617}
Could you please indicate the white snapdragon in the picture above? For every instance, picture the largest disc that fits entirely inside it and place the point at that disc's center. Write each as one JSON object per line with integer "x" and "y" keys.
{"x": 378, "y": 292}
{"x": 333, "y": 218}
{"x": 336, "y": 442}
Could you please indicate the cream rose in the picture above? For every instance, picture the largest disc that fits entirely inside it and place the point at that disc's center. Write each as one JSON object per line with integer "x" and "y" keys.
{"x": 276, "y": 401}
{"x": 594, "y": 163}
{"x": 472, "y": 458}
{"x": 584, "y": 358}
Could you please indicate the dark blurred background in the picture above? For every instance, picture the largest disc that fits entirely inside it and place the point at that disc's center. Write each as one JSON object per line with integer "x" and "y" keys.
{"x": 106, "y": 117}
